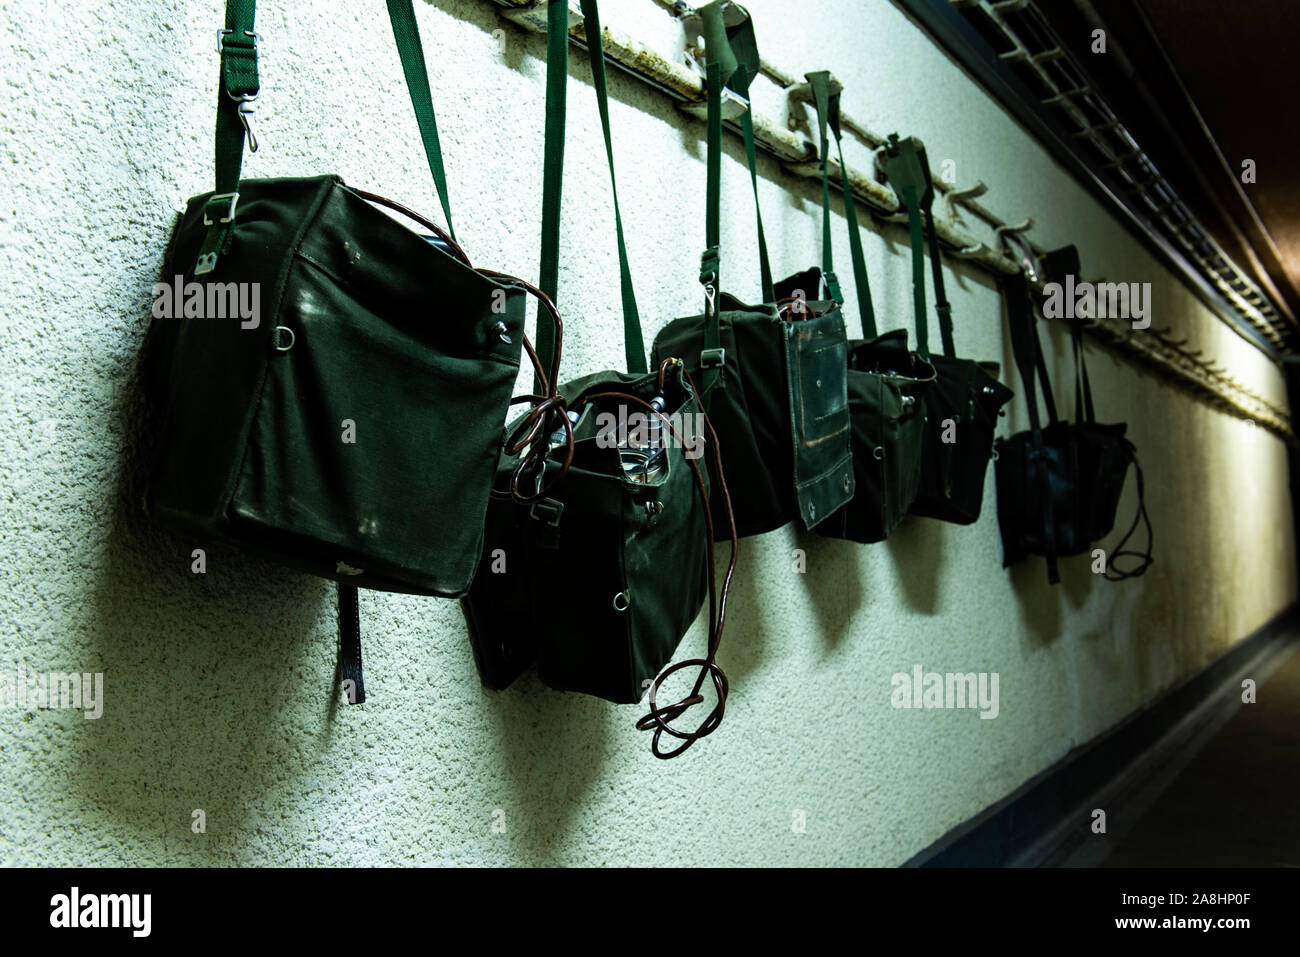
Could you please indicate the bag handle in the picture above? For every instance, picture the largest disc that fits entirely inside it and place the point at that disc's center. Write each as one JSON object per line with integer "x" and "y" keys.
{"x": 238, "y": 88}
{"x": 826, "y": 100}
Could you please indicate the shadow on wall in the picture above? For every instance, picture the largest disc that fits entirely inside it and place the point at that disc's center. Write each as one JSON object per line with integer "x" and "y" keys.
{"x": 217, "y": 697}
{"x": 190, "y": 690}
{"x": 1173, "y": 494}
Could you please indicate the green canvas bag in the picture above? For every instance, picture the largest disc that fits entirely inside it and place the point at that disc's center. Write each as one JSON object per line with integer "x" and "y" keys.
{"x": 887, "y": 383}
{"x": 962, "y": 406}
{"x": 772, "y": 377}
{"x": 595, "y": 573}
{"x": 353, "y": 427}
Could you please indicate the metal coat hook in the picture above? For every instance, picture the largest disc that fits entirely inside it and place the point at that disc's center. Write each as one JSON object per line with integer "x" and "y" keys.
{"x": 954, "y": 196}
{"x": 970, "y": 252}
{"x": 1006, "y": 229}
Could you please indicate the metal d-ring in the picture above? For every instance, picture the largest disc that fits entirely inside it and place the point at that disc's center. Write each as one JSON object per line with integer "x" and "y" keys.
{"x": 879, "y": 453}
{"x": 280, "y": 344}
{"x": 626, "y": 604}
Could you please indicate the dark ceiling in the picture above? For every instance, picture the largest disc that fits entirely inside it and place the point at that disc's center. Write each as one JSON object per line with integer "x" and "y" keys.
{"x": 1204, "y": 85}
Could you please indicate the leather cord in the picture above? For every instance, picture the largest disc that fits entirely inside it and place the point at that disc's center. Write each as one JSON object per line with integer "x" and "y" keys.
{"x": 1144, "y": 558}
{"x": 658, "y": 718}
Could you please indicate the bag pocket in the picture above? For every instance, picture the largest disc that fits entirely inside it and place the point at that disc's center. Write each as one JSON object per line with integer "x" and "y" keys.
{"x": 816, "y": 375}
{"x": 372, "y": 449}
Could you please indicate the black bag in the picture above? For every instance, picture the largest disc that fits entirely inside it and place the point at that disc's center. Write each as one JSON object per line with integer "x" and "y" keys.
{"x": 1059, "y": 484}
{"x": 772, "y": 377}
{"x": 887, "y": 382}
{"x": 596, "y": 567}
{"x": 962, "y": 406}
{"x": 352, "y": 429}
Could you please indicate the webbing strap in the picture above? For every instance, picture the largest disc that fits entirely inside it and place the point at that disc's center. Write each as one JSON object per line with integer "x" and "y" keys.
{"x": 1083, "y": 408}
{"x": 238, "y": 84}
{"x": 710, "y": 261}
{"x": 633, "y": 343}
{"x": 909, "y": 173}
{"x": 407, "y": 35}
{"x": 1028, "y": 355}
{"x": 918, "y": 269}
{"x": 350, "y": 643}
{"x": 557, "y": 77}
{"x": 820, "y": 82}
{"x": 941, "y": 304}
{"x": 828, "y": 103}
{"x": 743, "y": 45}
{"x": 740, "y": 81}
{"x": 237, "y": 87}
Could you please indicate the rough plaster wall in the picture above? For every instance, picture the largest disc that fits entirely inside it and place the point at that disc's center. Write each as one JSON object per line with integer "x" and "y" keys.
{"x": 217, "y": 686}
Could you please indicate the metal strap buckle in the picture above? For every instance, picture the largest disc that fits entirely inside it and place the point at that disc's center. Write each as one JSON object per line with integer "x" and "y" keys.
{"x": 713, "y": 358}
{"x": 226, "y": 31}
{"x": 551, "y": 511}
{"x": 233, "y": 199}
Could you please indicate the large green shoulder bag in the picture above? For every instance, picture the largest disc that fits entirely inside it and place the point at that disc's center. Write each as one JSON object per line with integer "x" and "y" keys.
{"x": 351, "y": 427}
{"x": 887, "y": 382}
{"x": 595, "y": 572}
{"x": 772, "y": 376}
{"x": 961, "y": 408}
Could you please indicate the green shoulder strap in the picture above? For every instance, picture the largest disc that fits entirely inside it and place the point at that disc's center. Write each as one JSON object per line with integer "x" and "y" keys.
{"x": 909, "y": 174}
{"x": 557, "y": 77}
{"x": 820, "y": 82}
{"x": 633, "y": 343}
{"x": 744, "y": 47}
{"x": 911, "y": 182}
{"x": 407, "y": 35}
{"x": 720, "y": 64}
{"x": 557, "y": 72}
{"x": 827, "y": 104}
{"x": 238, "y": 89}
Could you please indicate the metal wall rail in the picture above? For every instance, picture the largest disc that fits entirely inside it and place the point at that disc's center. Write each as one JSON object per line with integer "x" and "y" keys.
{"x": 1158, "y": 349}
{"x": 1034, "y": 47}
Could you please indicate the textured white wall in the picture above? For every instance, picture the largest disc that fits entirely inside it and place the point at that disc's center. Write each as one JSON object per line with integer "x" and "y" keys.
{"x": 217, "y": 686}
